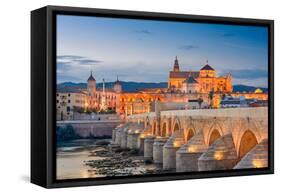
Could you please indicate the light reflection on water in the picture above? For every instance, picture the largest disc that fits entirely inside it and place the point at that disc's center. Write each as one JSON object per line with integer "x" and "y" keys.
{"x": 70, "y": 159}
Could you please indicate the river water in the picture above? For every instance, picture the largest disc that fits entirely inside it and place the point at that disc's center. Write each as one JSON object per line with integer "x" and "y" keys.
{"x": 73, "y": 157}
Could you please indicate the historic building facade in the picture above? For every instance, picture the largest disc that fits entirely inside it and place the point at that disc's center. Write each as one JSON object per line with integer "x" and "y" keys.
{"x": 186, "y": 89}
{"x": 203, "y": 81}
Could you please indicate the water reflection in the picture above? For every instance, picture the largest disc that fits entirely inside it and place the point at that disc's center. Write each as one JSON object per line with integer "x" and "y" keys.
{"x": 71, "y": 157}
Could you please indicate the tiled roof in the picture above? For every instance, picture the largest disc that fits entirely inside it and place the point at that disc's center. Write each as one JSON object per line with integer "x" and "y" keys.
{"x": 91, "y": 78}
{"x": 191, "y": 80}
{"x": 184, "y": 74}
{"x": 207, "y": 67}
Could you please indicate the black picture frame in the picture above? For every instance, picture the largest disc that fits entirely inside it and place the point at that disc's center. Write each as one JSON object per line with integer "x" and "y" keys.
{"x": 43, "y": 87}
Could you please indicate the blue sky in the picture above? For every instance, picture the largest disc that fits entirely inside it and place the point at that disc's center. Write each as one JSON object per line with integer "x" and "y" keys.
{"x": 144, "y": 50}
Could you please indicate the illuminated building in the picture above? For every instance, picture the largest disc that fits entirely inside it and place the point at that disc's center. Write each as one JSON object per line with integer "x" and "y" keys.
{"x": 183, "y": 87}
{"x": 203, "y": 81}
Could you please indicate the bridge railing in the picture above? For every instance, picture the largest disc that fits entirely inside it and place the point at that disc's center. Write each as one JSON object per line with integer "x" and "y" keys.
{"x": 143, "y": 115}
{"x": 255, "y": 112}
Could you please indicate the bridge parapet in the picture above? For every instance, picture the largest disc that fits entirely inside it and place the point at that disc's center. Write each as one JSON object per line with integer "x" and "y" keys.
{"x": 259, "y": 112}
{"x": 141, "y": 116}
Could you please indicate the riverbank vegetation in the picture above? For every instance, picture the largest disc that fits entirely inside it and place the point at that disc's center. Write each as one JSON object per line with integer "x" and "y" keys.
{"x": 66, "y": 133}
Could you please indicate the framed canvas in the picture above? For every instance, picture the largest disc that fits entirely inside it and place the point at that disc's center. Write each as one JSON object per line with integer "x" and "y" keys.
{"x": 126, "y": 96}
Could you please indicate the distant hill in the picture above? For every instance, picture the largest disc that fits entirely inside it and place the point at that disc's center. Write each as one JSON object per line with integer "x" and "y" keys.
{"x": 126, "y": 86}
{"x": 242, "y": 88}
{"x": 134, "y": 86}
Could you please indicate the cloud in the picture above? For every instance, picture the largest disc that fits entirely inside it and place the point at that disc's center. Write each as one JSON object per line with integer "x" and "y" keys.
{"x": 69, "y": 57}
{"x": 147, "y": 32}
{"x": 74, "y": 60}
{"x": 74, "y": 67}
{"x": 86, "y": 61}
{"x": 188, "y": 47}
{"x": 248, "y": 73}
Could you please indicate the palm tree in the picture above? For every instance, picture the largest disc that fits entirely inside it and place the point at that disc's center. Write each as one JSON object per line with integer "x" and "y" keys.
{"x": 211, "y": 96}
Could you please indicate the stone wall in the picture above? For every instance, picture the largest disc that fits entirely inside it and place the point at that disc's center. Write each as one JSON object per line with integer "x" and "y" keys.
{"x": 91, "y": 128}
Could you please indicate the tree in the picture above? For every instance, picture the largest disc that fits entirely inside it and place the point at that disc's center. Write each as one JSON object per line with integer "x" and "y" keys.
{"x": 66, "y": 133}
{"x": 200, "y": 101}
{"x": 223, "y": 96}
{"x": 211, "y": 96}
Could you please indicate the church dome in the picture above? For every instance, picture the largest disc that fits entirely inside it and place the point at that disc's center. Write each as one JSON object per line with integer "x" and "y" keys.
{"x": 207, "y": 67}
{"x": 258, "y": 91}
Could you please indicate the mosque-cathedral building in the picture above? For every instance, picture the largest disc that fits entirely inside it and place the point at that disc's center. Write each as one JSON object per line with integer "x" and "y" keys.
{"x": 184, "y": 90}
{"x": 203, "y": 81}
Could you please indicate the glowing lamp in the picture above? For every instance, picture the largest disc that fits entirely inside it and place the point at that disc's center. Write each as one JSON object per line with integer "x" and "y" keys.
{"x": 176, "y": 144}
{"x": 218, "y": 156}
{"x": 142, "y": 136}
{"x": 191, "y": 149}
{"x": 257, "y": 163}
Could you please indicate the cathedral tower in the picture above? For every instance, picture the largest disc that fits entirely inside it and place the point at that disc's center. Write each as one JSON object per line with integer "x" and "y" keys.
{"x": 117, "y": 86}
{"x": 176, "y": 65}
{"x": 91, "y": 84}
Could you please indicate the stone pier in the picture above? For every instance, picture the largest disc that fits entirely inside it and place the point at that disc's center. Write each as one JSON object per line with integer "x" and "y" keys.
{"x": 158, "y": 149}
{"x": 169, "y": 150}
{"x": 256, "y": 158}
{"x": 221, "y": 155}
{"x": 132, "y": 139}
{"x": 187, "y": 156}
{"x": 118, "y": 136}
{"x": 141, "y": 143}
{"x": 124, "y": 135}
{"x": 148, "y": 148}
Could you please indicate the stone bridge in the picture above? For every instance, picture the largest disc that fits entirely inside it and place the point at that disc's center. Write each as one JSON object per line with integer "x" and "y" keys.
{"x": 199, "y": 140}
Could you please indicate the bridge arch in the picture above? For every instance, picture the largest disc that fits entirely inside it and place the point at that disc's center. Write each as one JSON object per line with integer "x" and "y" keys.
{"x": 214, "y": 134}
{"x": 164, "y": 130}
{"x": 147, "y": 121}
{"x": 214, "y": 130}
{"x": 189, "y": 134}
{"x": 189, "y": 128}
{"x": 247, "y": 142}
{"x": 247, "y": 128}
{"x": 154, "y": 127}
{"x": 176, "y": 125}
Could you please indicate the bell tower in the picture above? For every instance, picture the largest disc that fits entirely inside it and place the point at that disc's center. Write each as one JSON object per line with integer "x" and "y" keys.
{"x": 117, "y": 86}
{"x": 91, "y": 85}
{"x": 176, "y": 65}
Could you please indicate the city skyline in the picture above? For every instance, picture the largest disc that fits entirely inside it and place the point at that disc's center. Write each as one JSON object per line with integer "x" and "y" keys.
{"x": 144, "y": 51}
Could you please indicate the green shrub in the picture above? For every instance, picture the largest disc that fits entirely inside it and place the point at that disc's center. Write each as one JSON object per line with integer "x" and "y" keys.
{"x": 66, "y": 133}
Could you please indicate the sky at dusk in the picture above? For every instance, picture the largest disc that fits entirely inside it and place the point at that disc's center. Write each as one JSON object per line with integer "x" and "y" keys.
{"x": 144, "y": 50}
